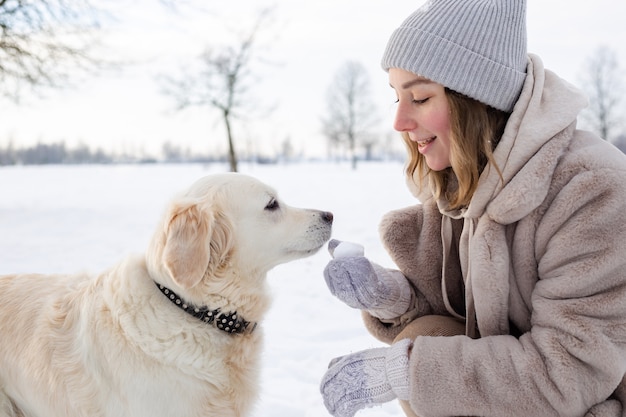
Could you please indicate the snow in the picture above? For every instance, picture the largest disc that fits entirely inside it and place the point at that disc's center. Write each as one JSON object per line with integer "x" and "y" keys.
{"x": 348, "y": 250}
{"x": 67, "y": 219}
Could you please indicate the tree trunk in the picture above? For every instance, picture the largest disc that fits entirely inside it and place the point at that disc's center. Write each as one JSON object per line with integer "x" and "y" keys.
{"x": 232, "y": 157}
{"x": 352, "y": 141}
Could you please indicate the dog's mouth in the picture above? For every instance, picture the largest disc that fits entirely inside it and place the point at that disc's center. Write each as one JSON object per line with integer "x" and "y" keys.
{"x": 311, "y": 248}
{"x": 313, "y": 239}
{"x": 306, "y": 252}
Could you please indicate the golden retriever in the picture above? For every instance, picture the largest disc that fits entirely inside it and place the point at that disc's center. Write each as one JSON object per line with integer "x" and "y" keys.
{"x": 173, "y": 333}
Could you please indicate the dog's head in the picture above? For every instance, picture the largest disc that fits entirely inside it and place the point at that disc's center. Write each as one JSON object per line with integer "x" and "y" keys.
{"x": 231, "y": 223}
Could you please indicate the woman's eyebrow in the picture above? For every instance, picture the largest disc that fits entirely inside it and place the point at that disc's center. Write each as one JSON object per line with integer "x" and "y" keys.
{"x": 419, "y": 80}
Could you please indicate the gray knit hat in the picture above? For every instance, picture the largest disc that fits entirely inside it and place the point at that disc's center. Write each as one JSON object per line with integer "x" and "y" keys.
{"x": 474, "y": 47}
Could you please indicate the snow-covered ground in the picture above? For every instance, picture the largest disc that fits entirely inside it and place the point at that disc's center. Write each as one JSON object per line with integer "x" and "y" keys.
{"x": 86, "y": 218}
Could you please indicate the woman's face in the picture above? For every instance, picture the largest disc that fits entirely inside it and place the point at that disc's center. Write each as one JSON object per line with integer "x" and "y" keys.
{"x": 424, "y": 114}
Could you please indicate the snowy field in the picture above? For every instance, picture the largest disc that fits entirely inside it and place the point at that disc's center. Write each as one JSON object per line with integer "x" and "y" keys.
{"x": 66, "y": 219}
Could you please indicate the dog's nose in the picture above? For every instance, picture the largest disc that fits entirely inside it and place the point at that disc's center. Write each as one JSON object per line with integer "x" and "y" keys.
{"x": 327, "y": 216}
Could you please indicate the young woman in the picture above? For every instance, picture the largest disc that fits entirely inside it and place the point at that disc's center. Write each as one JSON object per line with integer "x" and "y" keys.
{"x": 510, "y": 293}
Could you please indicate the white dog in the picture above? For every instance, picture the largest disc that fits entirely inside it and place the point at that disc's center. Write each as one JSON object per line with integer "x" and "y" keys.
{"x": 174, "y": 333}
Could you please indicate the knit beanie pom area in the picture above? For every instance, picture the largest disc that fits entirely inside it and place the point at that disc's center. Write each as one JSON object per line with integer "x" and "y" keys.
{"x": 474, "y": 47}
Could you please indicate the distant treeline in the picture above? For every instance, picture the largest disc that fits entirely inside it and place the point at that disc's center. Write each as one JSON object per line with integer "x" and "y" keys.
{"x": 60, "y": 153}
{"x": 56, "y": 153}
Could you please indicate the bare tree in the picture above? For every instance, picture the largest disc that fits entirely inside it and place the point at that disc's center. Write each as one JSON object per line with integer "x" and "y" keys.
{"x": 42, "y": 42}
{"x": 221, "y": 82}
{"x": 350, "y": 111}
{"x": 603, "y": 84}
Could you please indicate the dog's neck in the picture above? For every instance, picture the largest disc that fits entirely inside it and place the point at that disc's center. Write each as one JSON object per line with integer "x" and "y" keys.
{"x": 228, "y": 322}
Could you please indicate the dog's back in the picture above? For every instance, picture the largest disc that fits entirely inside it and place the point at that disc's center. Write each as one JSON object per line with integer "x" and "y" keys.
{"x": 39, "y": 322}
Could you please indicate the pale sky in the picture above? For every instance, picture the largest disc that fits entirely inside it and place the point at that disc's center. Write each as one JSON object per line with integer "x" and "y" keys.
{"x": 306, "y": 45}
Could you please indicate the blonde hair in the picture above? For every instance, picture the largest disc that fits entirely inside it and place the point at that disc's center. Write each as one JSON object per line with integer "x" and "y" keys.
{"x": 475, "y": 130}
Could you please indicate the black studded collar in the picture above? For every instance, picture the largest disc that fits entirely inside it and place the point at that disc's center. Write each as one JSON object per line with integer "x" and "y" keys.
{"x": 228, "y": 322}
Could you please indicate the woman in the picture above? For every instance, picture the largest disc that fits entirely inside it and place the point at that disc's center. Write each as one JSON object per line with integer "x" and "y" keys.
{"x": 517, "y": 250}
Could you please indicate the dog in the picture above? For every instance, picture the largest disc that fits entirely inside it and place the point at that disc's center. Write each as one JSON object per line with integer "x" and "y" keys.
{"x": 174, "y": 332}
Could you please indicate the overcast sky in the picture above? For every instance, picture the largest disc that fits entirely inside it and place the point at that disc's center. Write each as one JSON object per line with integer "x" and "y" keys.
{"x": 303, "y": 48}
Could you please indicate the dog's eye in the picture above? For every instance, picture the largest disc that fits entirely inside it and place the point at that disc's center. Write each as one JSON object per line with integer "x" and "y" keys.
{"x": 272, "y": 205}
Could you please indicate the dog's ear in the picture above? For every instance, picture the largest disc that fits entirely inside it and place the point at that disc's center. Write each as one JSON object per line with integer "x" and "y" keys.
{"x": 197, "y": 242}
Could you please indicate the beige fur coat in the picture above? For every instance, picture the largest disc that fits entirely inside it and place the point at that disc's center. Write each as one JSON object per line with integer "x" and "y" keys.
{"x": 537, "y": 264}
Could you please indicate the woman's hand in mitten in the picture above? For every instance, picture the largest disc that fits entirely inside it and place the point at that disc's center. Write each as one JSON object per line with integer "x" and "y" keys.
{"x": 365, "y": 285}
{"x": 367, "y": 378}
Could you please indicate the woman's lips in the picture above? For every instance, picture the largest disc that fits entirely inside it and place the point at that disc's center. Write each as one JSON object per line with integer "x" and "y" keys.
{"x": 423, "y": 142}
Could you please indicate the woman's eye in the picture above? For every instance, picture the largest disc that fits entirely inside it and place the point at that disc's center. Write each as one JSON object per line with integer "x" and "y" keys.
{"x": 414, "y": 101}
{"x": 272, "y": 205}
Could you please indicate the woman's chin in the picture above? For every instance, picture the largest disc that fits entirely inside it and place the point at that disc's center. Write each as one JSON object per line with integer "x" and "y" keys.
{"x": 437, "y": 165}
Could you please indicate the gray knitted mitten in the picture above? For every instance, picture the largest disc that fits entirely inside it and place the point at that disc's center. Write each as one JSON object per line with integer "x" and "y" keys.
{"x": 364, "y": 285}
{"x": 367, "y": 378}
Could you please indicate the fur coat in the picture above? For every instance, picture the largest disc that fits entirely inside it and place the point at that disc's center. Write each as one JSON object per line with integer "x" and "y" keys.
{"x": 537, "y": 266}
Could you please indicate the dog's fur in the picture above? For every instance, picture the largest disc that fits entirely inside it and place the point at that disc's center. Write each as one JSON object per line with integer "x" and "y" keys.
{"x": 113, "y": 345}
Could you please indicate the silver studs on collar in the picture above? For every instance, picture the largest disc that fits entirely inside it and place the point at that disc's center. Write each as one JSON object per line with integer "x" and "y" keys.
{"x": 228, "y": 322}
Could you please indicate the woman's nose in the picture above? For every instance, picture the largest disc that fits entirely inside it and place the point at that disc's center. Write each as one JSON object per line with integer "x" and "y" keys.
{"x": 403, "y": 122}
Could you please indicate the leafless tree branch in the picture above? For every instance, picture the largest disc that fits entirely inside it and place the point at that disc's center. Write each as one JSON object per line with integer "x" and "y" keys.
{"x": 350, "y": 112}
{"x": 604, "y": 86}
{"x": 43, "y": 42}
{"x": 220, "y": 82}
